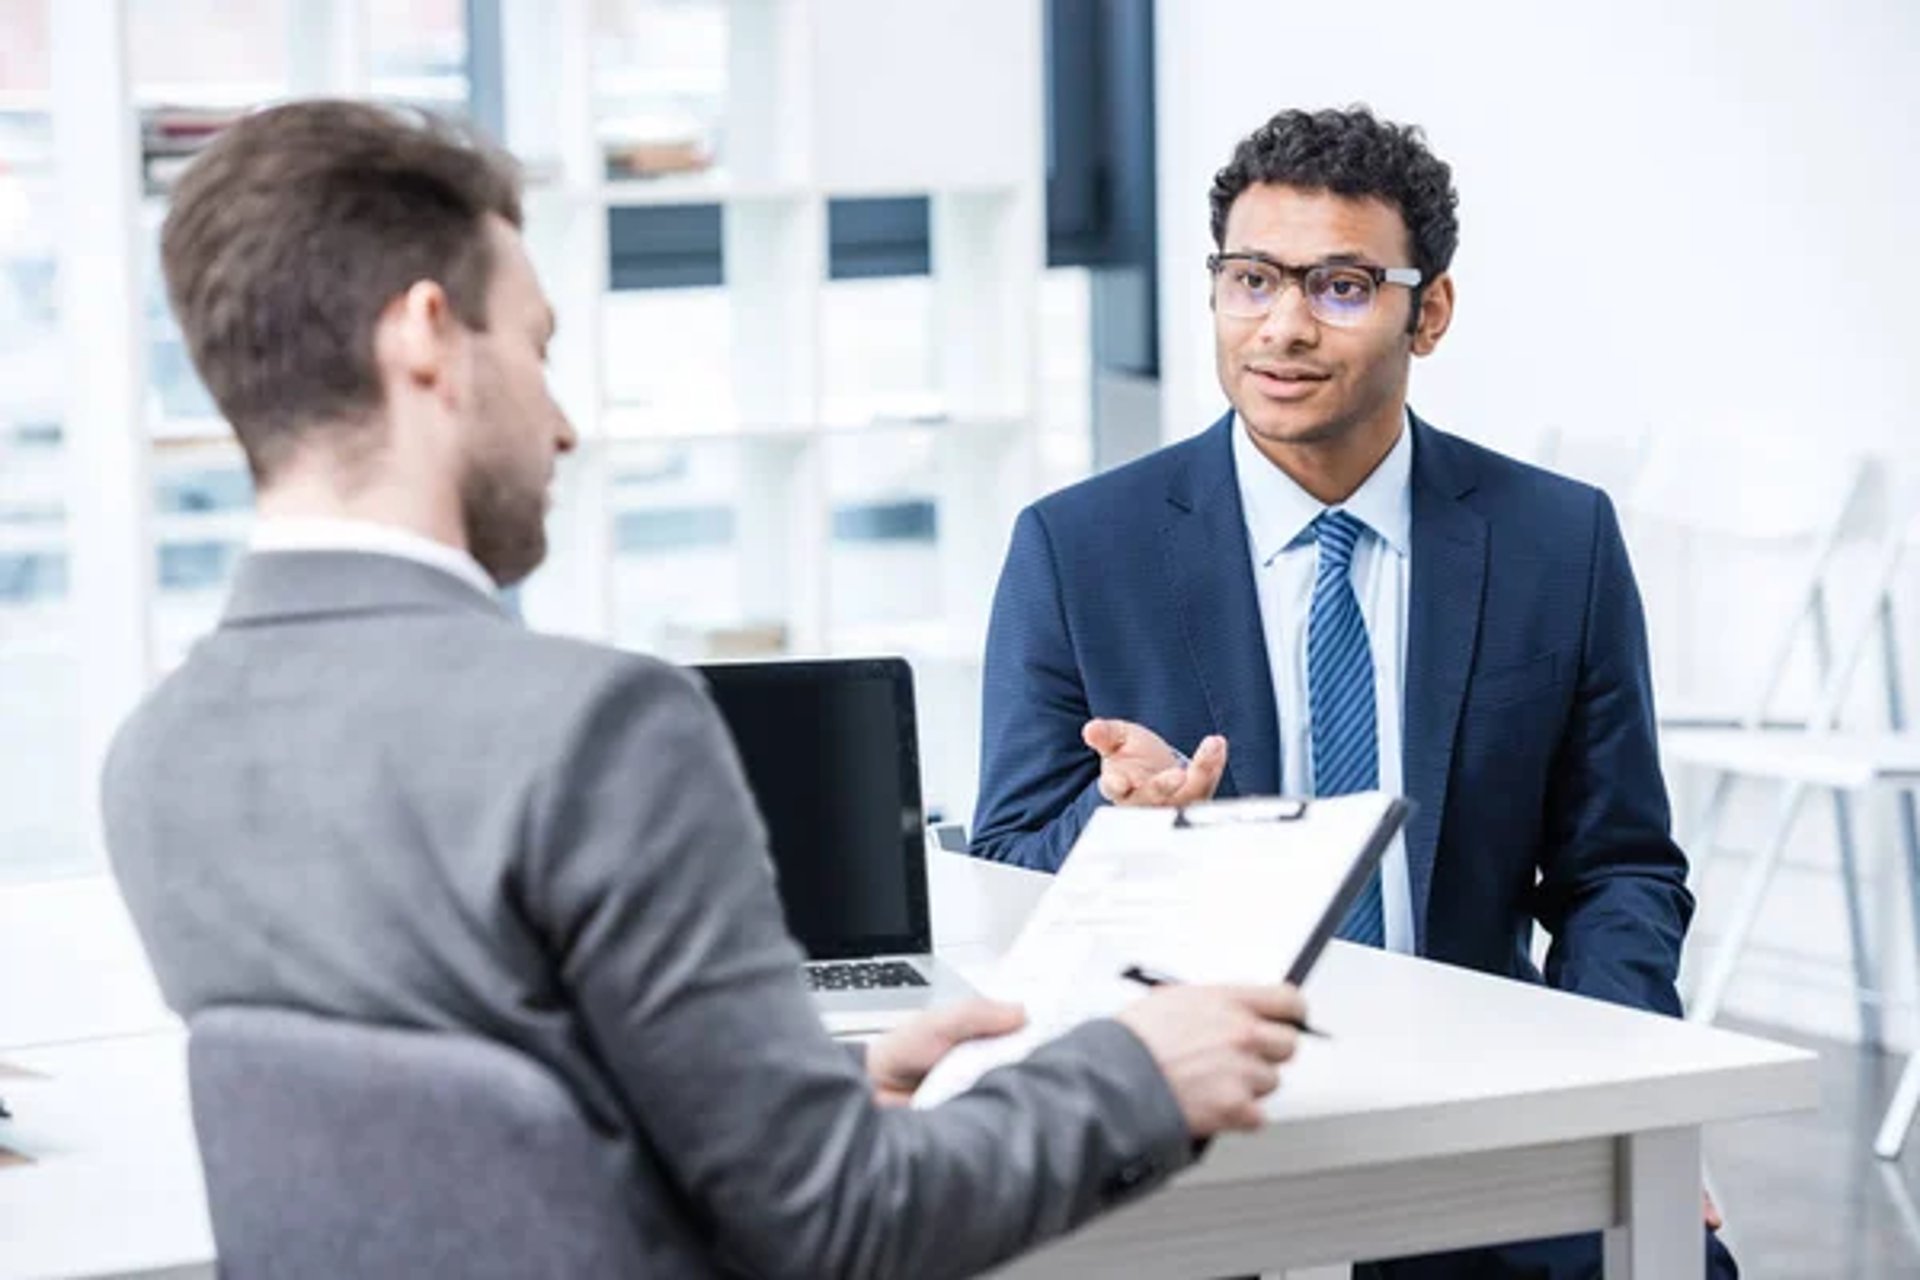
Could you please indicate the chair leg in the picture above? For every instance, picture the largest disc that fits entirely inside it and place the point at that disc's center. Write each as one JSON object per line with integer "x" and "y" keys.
{"x": 1904, "y": 1209}
{"x": 1706, "y": 831}
{"x": 1900, "y": 1112}
{"x": 1700, "y": 845}
{"x": 1746, "y": 912}
{"x": 1865, "y": 981}
{"x": 1898, "y": 1121}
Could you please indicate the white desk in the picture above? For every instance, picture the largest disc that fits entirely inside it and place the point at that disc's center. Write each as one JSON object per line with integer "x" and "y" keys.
{"x": 1450, "y": 1109}
{"x": 115, "y": 1189}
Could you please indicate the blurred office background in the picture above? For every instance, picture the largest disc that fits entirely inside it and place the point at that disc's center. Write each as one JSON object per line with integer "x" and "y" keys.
{"x": 843, "y": 283}
{"x": 803, "y": 335}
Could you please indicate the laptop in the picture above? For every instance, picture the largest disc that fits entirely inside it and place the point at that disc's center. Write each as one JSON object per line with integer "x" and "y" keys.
{"x": 831, "y": 752}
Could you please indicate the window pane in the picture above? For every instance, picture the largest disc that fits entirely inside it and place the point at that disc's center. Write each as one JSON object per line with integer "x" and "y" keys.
{"x": 202, "y": 495}
{"x": 196, "y": 65}
{"x": 1065, "y": 426}
{"x": 208, "y": 52}
{"x": 883, "y": 566}
{"x": 678, "y": 584}
{"x": 202, "y": 511}
{"x": 41, "y": 790}
{"x": 419, "y": 53}
{"x": 23, "y": 51}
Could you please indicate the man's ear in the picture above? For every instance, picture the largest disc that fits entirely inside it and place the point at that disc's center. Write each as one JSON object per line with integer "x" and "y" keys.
{"x": 413, "y": 337}
{"x": 1436, "y": 313}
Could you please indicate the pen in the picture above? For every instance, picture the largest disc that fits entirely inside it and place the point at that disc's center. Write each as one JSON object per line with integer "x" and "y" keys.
{"x": 1154, "y": 978}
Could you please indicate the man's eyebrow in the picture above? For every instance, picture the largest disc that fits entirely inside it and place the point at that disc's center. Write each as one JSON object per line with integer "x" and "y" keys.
{"x": 1341, "y": 259}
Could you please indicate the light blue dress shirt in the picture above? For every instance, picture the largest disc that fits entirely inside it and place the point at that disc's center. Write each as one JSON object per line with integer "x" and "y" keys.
{"x": 1285, "y": 559}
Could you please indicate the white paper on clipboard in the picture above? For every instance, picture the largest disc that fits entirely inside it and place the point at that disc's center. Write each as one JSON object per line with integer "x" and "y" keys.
{"x": 1234, "y": 891}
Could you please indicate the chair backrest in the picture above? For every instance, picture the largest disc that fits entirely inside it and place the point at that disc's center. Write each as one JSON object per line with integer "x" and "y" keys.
{"x": 1606, "y": 461}
{"x": 1752, "y": 489}
{"x": 1897, "y": 551}
{"x": 1780, "y": 509}
{"x": 341, "y": 1149}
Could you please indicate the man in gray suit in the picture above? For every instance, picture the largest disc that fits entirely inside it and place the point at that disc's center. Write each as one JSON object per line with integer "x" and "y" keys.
{"x": 371, "y": 794}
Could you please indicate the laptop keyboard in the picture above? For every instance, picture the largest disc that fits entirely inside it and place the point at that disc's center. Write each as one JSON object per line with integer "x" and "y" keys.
{"x": 862, "y": 975}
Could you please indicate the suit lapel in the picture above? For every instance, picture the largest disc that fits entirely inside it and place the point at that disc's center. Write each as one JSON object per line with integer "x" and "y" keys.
{"x": 1210, "y": 579}
{"x": 1449, "y": 578}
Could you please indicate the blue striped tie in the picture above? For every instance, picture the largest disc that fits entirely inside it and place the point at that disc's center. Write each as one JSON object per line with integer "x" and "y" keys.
{"x": 1346, "y": 752}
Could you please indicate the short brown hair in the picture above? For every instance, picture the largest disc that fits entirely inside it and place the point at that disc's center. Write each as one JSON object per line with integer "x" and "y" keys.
{"x": 293, "y": 231}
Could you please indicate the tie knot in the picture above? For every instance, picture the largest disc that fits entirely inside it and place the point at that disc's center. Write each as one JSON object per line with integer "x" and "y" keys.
{"x": 1337, "y": 533}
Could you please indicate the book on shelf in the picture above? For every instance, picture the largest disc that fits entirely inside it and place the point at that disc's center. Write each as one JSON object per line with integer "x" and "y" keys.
{"x": 171, "y": 136}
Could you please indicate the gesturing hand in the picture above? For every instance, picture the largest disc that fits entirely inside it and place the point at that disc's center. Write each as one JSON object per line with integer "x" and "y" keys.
{"x": 1137, "y": 767}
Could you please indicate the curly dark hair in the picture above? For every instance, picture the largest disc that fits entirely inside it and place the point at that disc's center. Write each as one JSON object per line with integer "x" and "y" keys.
{"x": 1350, "y": 153}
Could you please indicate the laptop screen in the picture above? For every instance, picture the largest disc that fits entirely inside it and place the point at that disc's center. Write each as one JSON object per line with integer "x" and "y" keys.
{"x": 831, "y": 754}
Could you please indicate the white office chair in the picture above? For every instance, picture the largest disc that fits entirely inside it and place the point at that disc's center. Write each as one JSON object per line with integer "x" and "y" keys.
{"x": 1700, "y": 501}
{"x": 1609, "y": 461}
{"x": 1696, "y": 497}
{"x": 1822, "y": 755}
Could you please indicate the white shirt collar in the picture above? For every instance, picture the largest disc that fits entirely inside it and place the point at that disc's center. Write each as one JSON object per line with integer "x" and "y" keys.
{"x": 1278, "y": 510}
{"x": 322, "y": 533}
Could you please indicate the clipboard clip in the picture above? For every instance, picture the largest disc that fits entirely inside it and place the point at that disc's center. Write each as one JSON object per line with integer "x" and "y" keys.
{"x": 1223, "y": 813}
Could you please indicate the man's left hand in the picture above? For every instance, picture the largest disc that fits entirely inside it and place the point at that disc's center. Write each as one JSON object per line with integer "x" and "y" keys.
{"x": 899, "y": 1060}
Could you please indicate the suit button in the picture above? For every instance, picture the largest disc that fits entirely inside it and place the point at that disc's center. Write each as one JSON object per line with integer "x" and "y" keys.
{"x": 1130, "y": 1176}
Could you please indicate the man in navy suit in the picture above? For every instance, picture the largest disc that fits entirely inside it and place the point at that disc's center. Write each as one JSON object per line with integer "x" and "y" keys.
{"x": 1322, "y": 593}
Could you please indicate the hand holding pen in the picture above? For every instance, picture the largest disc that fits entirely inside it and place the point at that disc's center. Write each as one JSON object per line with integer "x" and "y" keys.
{"x": 1218, "y": 1047}
{"x": 1154, "y": 978}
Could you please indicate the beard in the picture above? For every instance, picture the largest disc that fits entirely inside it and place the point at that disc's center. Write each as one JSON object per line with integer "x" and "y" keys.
{"x": 503, "y": 492}
{"x": 505, "y": 519}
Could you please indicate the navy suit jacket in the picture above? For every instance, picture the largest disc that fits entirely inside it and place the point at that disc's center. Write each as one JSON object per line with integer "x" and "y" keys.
{"x": 1528, "y": 727}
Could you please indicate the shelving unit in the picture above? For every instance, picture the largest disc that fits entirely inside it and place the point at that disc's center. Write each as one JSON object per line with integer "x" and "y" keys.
{"x": 825, "y": 99}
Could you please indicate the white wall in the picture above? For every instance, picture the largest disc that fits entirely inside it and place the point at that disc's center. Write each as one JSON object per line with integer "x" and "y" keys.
{"x": 1676, "y": 219}
{"x": 1673, "y": 215}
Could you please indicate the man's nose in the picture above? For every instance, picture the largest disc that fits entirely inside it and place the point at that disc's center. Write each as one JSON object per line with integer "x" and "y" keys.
{"x": 1290, "y": 320}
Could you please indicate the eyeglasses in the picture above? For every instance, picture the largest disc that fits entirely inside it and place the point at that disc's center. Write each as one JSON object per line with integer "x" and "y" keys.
{"x": 1246, "y": 285}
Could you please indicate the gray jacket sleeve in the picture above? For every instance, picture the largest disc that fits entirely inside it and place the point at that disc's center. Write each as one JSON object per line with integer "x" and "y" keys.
{"x": 648, "y": 873}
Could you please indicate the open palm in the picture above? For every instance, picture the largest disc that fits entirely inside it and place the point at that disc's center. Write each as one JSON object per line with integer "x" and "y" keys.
{"x": 1137, "y": 767}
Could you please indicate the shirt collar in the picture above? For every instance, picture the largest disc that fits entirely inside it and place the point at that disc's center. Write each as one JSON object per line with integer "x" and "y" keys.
{"x": 1279, "y": 511}
{"x": 323, "y": 533}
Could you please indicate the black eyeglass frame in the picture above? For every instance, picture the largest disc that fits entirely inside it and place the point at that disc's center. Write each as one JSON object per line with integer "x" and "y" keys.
{"x": 1407, "y": 277}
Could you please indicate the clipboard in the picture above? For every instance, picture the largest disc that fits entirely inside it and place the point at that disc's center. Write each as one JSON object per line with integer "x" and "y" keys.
{"x": 1243, "y": 891}
{"x": 1280, "y": 809}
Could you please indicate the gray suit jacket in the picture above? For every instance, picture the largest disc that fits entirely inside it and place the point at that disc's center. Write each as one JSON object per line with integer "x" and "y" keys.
{"x": 371, "y": 794}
